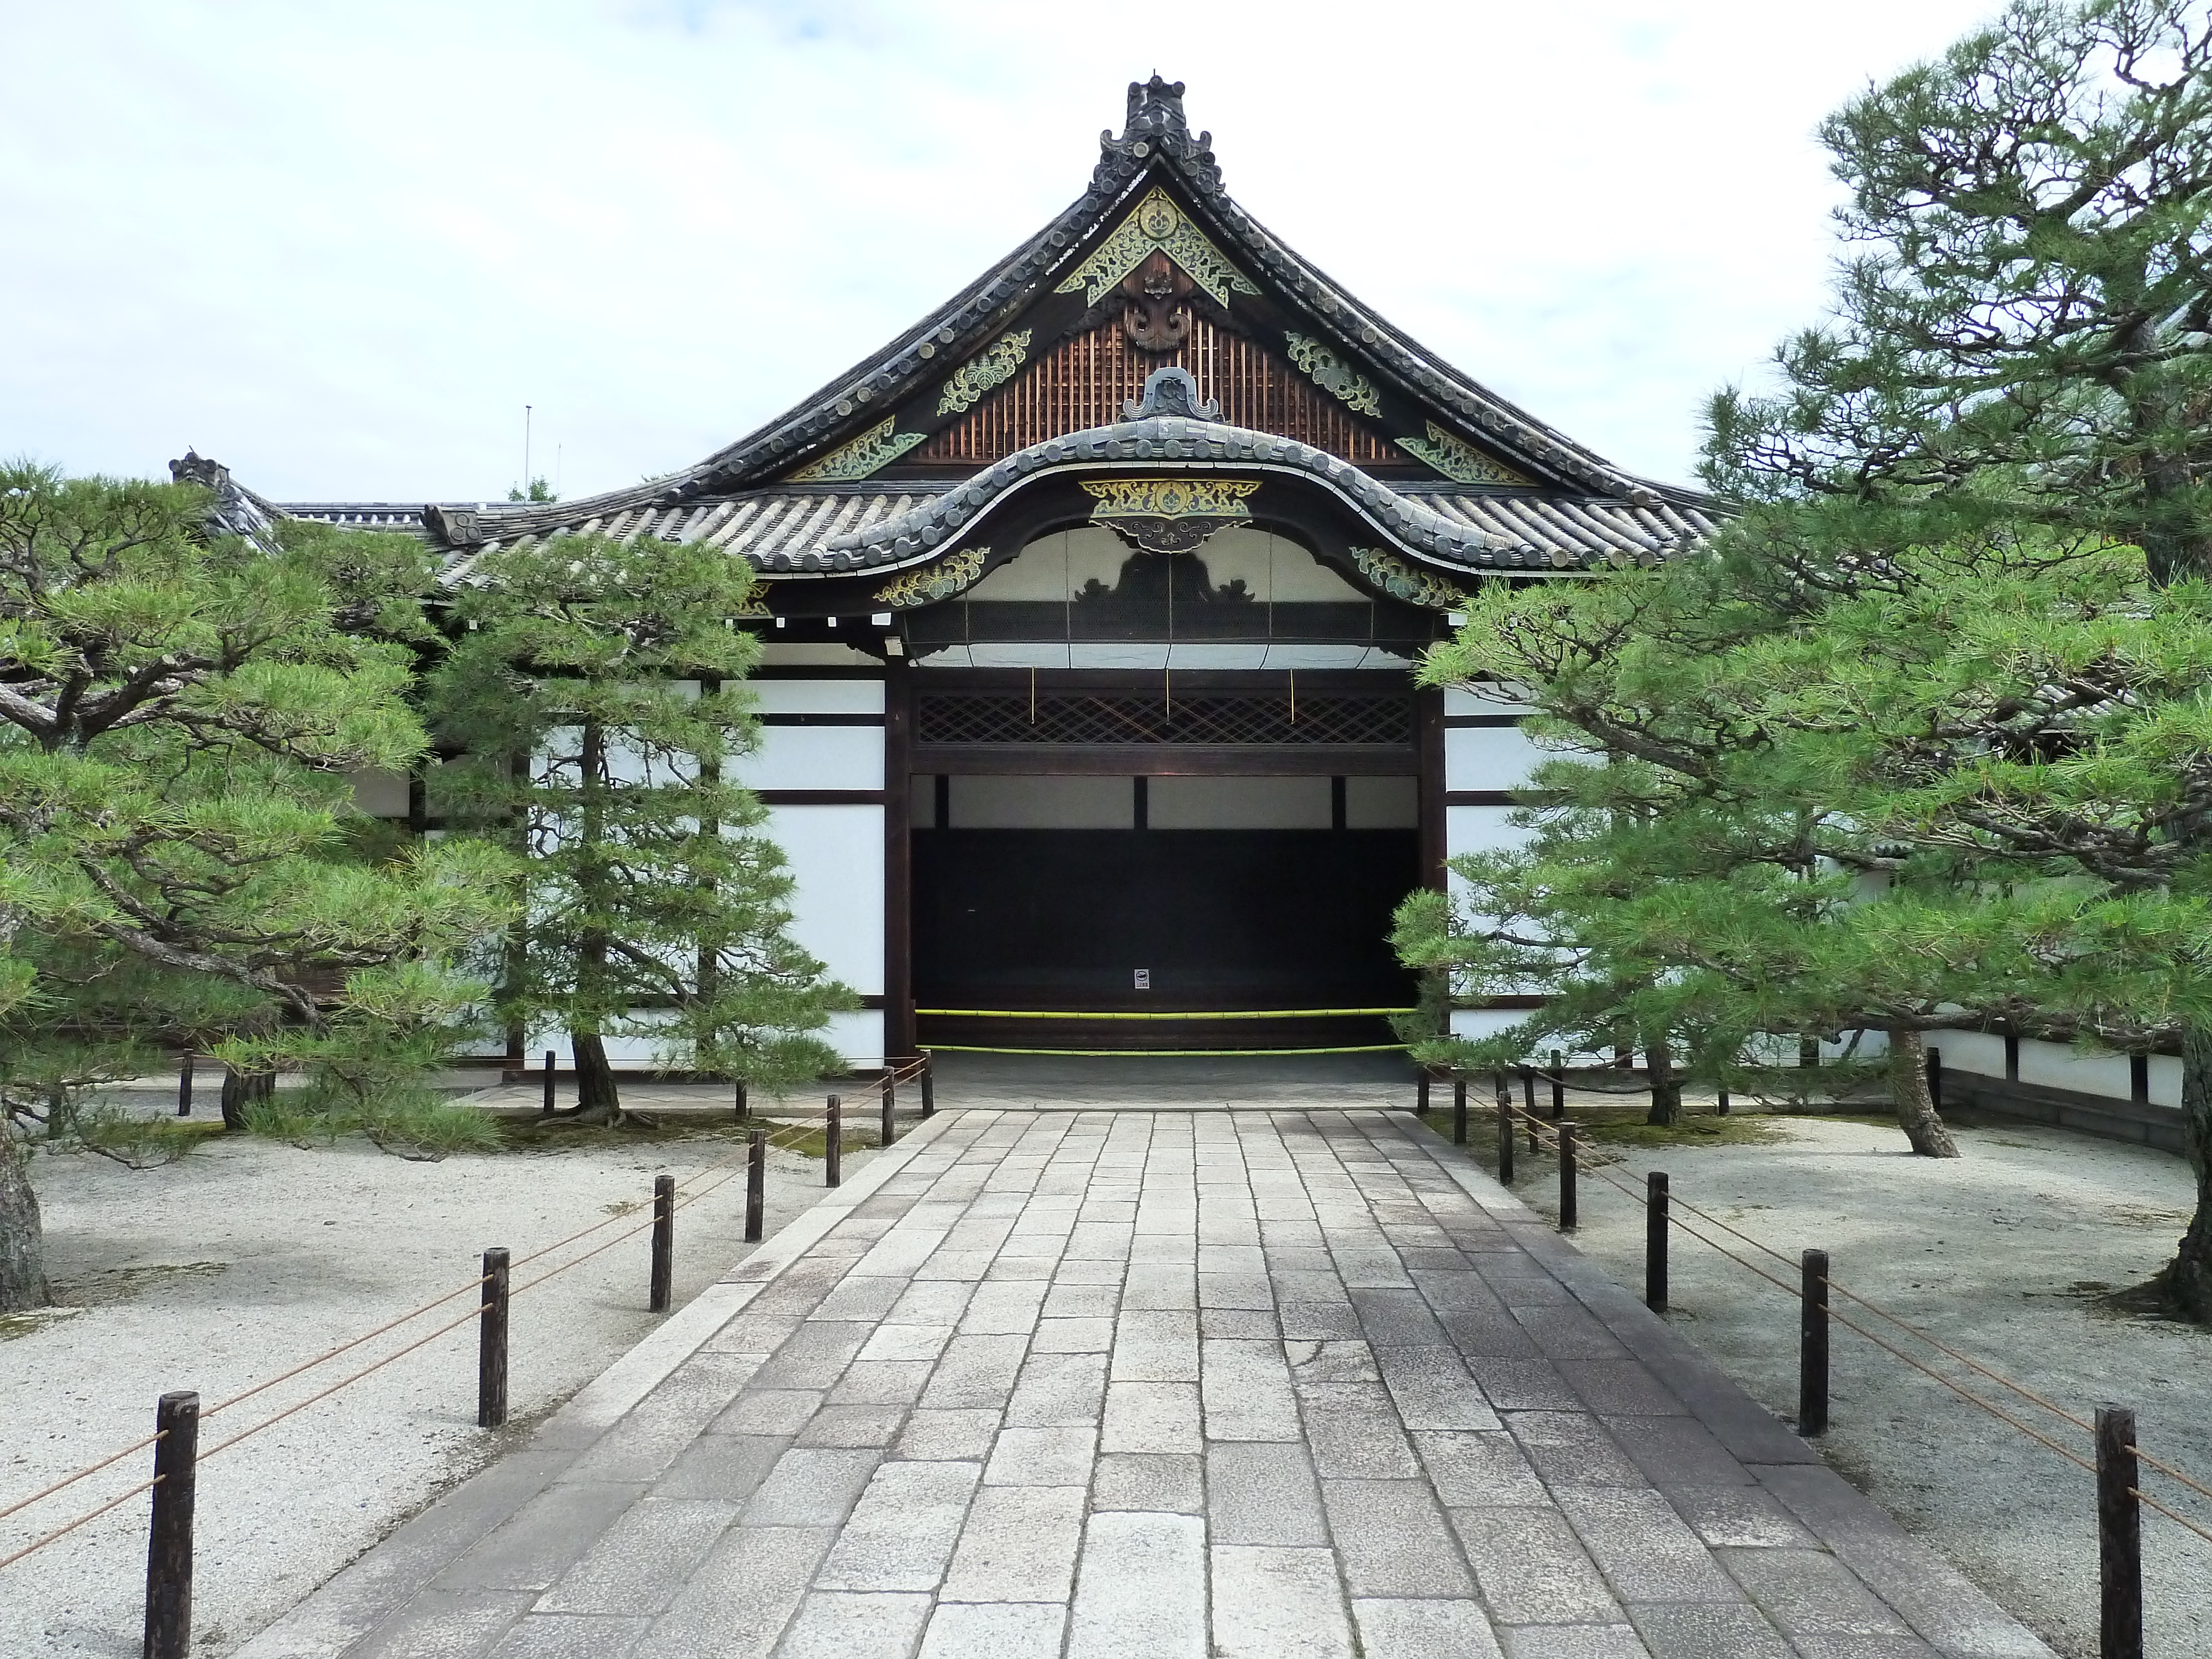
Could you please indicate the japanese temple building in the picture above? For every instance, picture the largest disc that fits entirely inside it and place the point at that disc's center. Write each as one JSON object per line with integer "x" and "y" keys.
{"x": 1091, "y": 604}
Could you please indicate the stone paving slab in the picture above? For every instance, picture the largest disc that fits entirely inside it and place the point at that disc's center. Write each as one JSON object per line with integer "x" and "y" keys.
{"x": 1106, "y": 1383}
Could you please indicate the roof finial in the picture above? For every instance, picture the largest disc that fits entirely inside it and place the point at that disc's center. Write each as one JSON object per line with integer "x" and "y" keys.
{"x": 1155, "y": 126}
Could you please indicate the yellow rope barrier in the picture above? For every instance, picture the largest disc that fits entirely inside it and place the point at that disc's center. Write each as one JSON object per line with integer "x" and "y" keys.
{"x": 1168, "y": 1054}
{"x": 1260, "y": 1013}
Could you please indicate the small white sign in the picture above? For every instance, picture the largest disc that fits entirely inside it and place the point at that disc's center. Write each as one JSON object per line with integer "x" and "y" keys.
{"x": 1144, "y": 979}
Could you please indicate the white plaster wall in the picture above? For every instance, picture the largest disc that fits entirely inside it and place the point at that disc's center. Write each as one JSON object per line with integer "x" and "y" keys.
{"x": 380, "y": 795}
{"x": 836, "y": 858}
{"x": 1478, "y": 829}
{"x": 2056, "y": 1065}
{"x": 1460, "y": 701}
{"x": 1471, "y": 1023}
{"x": 1382, "y": 803}
{"x": 1238, "y": 804}
{"x": 1018, "y": 802}
{"x": 816, "y": 696}
{"x": 823, "y": 656}
{"x": 816, "y": 757}
{"x": 1488, "y": 757}
{"x": 857, "y": 1034}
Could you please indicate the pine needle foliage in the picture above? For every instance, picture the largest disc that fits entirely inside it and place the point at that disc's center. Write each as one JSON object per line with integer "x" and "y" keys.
{"x": 180, "y": 860}
{"x": 1921, "y": 738}
{"x": 595, "y": 693}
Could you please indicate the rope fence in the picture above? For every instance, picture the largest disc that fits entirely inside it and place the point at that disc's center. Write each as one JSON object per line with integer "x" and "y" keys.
{"x": 2113, "y": 1463}
{"x": 169, "y": 1551}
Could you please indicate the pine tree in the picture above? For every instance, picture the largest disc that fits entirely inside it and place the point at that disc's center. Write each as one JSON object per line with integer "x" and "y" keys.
{"x": 180, "y": 861}
{"x": 1749, "y": 843}
{"x": 2027, "y": 339}
{"x": 1933, "y": 601}
{"x": 593, "y": 694}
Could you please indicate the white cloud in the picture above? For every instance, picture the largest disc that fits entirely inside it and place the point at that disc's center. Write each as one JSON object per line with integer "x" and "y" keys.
{"x": 339, "y": 247}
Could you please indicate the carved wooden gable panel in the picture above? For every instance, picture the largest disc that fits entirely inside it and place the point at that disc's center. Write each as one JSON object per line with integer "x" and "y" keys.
{"x": 1084, "y": 382}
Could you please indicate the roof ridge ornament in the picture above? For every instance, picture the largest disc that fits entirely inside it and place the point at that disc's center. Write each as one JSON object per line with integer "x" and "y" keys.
{"x": 1156, "y": 126}
{"x": 1171, "y": 391}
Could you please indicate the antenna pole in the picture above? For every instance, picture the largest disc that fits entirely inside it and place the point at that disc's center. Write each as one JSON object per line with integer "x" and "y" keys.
{"x": 526, "y": 452}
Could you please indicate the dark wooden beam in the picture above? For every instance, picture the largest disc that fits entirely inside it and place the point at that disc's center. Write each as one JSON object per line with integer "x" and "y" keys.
{"x": 1429, "y": 741}
{"x": 898, "y": 863}
{"x": 1165, "y": 760}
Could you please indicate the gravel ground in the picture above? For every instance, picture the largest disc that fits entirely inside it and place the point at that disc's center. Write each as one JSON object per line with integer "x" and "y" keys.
{"x": 2002, "y": 1252}
{"x": 249, "y": 1257}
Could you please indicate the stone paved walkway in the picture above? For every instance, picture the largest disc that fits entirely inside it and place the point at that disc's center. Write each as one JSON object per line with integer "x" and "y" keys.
{"x": 1153, "y": 1384}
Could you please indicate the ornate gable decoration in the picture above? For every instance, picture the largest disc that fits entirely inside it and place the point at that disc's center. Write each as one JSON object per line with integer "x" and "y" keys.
{"x": 1158, "y": 225}
{"x": 1169, "y": 515}
{"x": 1332, "y": 375}
{"x": 878, "y": 447}
{"x": 990, "y": 369}
{"x": 952, "y": 574}
{"x": 1402, "y": 581}
{"x": 1457, "y": 459}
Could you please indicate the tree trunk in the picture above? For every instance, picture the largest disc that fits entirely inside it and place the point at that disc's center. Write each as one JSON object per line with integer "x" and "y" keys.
{"x": 1916, "y": 1108}
{"x": 1666, "y": 1086}
{"x": 2184, "y": 1287}
{"x": 22, "y": 1247}
{"x": 597, "y": 1100}
{"x": 241, "y": 1089}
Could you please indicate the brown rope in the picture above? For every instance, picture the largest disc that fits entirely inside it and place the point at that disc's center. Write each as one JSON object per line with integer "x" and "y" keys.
{"x": 1796, "y": 1293}
{"x": 2173, "y": 1474}
{"x": 64, "y": 1531}
{"x": 795, "y": 1131}
{"x": 71, "y": 1479}
{"x": 1880, "y": 1312}
{"x": 2181, "y": 1520}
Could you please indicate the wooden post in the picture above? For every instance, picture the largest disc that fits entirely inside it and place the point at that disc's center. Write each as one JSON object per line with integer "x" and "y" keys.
{"x": 169, "y": 1543}
{"x": 1558, "y": 1084}
{"x": 883, "y": 1136}
{"x": 928, "y": 1086}
{"x": 900, "y": 1035}
{"x": 2119, "y": 1537}
{"x": 1936, "y": 1076}
{"x": 1813, "y": 1345}
{"x": 755, "y": 1186}
{"x": 2012, "y": 1056}
{"x": 1529, "y": 1092}
{"x": 546, "y": 1109}
{"x": 663, "y": 1244}
{"x": 833, "y": 1149}
{"x": 1722, "y": 1108}
{"x": 1655, "y": 1242}
{"x": 491, "y": 1343}
{"x": 1459, "y": 1109}
{"x": 740, "y": 1107}
{"x": 1421, "y": 1093}
{"x": 1569, "y": 1219}
{"x": 185, "y": 1084}
{"x": 1505, "y": 1132}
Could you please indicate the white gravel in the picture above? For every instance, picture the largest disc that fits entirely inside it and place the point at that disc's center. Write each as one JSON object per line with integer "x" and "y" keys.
{"x": 2000, "y": 1252}
{"x": 249, "y": 1257}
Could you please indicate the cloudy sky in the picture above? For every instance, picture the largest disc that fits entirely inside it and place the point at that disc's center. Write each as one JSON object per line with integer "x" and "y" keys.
{"x": 339, "y": 247}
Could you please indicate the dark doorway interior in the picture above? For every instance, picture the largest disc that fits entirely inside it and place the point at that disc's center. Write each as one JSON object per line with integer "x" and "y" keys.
{"x": 1062, "y": 919}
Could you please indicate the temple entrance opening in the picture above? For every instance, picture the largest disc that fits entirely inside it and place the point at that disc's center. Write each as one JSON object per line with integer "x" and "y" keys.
{"x": 1162, "y": 782}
